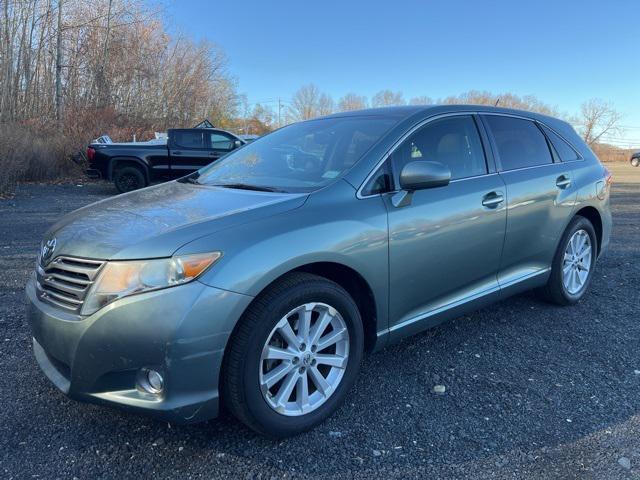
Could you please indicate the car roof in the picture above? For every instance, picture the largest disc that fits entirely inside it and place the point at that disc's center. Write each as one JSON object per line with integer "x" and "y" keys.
{"x": 406, "y": 111}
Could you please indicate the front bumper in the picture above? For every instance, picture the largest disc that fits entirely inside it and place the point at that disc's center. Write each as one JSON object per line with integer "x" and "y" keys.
{"x": 181, "y": 332}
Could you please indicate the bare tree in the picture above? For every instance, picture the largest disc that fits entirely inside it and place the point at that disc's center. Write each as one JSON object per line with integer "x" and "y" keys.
{"x": 304, "y": 104}
{"x": 308, "y": 102}
{"x": 59, "y": 63}
{"x": 385, "y": 98}
{"x": 598, "y": 119}
{"x": 352, "y": 101}
{"x": 507, "y": 100}
{"x": 61, "y": 58}
{"x": 422, "y": 100}
{"x": 325, "y": 104}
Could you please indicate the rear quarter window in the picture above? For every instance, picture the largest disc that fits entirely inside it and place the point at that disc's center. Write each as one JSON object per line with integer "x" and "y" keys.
{"x": 520, "y": 142}
{"x": 565, "y": 151}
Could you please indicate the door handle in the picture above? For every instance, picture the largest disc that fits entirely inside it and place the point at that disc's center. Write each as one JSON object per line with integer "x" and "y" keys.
{"x": 215, "y": 155}
{"x": 176, "y": 152}
{"x": 563, "y": 181}
{"x": 493, "y": 199}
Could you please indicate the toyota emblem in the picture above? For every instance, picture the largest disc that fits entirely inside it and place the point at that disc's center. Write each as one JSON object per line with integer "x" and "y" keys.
{"x": 47, "y": 251}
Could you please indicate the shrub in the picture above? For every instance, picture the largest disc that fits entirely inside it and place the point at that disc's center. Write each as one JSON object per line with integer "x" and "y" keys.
{"x": 32, "y": 154}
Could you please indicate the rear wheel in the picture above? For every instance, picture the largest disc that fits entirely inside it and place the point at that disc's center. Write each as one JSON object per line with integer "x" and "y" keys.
{"x": 294, "y": 356}
{"x": 129, "y": 178}
{"x": 573, "y": 264}
{"x": 635, "y": 162}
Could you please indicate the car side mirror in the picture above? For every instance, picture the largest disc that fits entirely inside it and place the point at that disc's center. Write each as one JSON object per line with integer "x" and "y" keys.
{"x": 420, "y": 175}
{"x": 237, "y": 144}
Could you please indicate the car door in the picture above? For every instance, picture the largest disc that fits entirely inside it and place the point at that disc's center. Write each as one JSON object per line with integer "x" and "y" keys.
{"x": 540, "y": 196}
{"x": 445, "y": 244}
{"x": 188, "y": 150}
{"x": 219, "y": 144}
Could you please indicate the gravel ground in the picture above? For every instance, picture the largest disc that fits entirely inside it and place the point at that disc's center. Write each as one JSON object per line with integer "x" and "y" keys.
{"x": 532, "y": 390}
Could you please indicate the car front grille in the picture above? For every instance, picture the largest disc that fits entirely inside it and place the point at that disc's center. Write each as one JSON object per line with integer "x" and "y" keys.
{"x": 65, "y": 281}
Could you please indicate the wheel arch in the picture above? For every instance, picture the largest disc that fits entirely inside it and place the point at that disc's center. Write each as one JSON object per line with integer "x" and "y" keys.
{"x": 593, "y": 215}
{"x": 357, "y": 287}
{"x": 116, "y": 162}
{"x": 349, "y": 279}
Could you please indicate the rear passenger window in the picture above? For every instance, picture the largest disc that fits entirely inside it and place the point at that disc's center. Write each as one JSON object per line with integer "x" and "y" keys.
{"x": 189, "y": 139}
{"x": 520, "y": 142}
{"x": 453, "y": 141}
{"x": 565, "y": 151}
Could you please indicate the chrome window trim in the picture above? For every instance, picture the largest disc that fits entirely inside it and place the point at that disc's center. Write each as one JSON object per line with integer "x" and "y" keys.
{"x": 425, "y": 121}
{"x": 530, "y": 167}
{"x": 580, "y": 157}
{"x": 492, "y": 174}
{"x": 389, "y": 152}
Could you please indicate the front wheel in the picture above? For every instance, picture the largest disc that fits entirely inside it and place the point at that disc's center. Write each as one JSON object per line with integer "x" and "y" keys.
{"x": 294, "y": 356}
{"x": 573, "y": 264}
{"x": 635, "y": 161}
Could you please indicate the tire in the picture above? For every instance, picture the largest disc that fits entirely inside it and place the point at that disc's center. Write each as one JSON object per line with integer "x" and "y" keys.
{"x": 243, "y": 387}
{"x": 556, "y": 290}
{"x": 635, "y": 162}
{"x": 127, "y": 179}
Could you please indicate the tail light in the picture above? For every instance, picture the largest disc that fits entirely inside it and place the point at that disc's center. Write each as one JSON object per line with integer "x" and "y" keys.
{"x": 91, "y": 152}
{"x": 608, "y": 178}
{"x": 604, "y": 187}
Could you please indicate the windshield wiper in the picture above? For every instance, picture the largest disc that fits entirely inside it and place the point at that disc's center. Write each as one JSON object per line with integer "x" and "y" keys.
{"x": 190, "y": 180}
{"x": 193, "y": 178}
{"x": 246, "y": 186}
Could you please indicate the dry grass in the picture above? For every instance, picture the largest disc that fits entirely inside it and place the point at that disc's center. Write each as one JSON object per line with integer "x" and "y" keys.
{"x": 31, "y": 154}
{"x": 35, "y": 151}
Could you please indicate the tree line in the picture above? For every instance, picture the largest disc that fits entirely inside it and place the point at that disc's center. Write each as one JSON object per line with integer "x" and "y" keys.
{"x": 60, "y": 58}
{"x": 595, "y": 120}
{"x": 71, "y": 70}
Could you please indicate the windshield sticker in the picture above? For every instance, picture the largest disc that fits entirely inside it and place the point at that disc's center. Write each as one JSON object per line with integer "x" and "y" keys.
{"x": 331, "y": 174}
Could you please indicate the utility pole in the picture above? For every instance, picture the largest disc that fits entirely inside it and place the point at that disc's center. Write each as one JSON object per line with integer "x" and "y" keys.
{"x": 279, "y": 110}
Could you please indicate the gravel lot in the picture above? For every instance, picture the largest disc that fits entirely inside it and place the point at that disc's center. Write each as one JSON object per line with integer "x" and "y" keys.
{"x": 532, "y": 390}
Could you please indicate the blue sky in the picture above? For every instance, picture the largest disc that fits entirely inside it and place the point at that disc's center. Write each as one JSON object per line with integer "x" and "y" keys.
{"x": 563, "y": 51}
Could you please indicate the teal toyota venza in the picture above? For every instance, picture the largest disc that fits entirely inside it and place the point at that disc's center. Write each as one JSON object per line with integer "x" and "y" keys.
{"x": 258, "y": 281}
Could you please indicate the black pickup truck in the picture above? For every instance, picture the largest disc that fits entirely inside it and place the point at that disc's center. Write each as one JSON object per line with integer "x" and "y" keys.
{"x": 134, "y": 165}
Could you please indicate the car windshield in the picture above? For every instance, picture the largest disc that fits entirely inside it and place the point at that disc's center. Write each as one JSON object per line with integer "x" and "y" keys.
{"x": 301, "y": 157}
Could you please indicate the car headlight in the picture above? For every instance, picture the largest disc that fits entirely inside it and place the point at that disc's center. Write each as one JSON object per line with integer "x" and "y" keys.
{"x": 123, "y": 278}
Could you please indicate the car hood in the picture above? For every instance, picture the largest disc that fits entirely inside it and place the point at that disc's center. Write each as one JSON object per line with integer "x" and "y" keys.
{"x": 156, "y": 221}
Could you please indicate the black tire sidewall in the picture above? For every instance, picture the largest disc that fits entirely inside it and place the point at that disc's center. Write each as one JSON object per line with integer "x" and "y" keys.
{"x": 271, "y": 422}
{"x": 133, "y": 171}
{"x": 578, "y": 223}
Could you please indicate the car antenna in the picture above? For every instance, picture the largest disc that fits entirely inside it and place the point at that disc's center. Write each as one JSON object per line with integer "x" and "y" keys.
{"x": 497, "y": 102}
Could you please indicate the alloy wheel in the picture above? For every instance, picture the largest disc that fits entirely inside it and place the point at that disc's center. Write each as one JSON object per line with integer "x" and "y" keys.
{"x": 304, "y": 359}
{"x": 577, "y": 262}
{"x": 128, "y": 182}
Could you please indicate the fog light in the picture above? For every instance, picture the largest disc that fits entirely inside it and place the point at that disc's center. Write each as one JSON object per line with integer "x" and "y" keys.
{"x": 151, "y": 381}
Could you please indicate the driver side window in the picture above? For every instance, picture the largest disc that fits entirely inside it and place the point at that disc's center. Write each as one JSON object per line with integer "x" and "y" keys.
{"x": 452, "y": 141}
{"x": 221, "y": 142}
